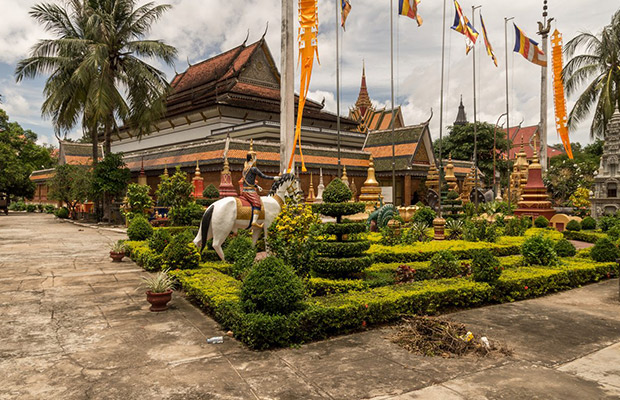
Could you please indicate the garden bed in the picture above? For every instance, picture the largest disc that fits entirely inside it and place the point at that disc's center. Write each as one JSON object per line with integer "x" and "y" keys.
{"x": 339, "y": 313}
{"x": 584, "y": 236}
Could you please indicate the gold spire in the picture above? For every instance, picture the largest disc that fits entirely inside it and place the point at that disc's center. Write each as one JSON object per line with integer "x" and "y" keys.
{"x": 226, "y": 169}
{"x": 166, "y": 170}
{"x": 252, "y": 152}
{"x": 311, "y": 197}
{"x": 197, "y": 169}
{"x": 344, "y": 178}
{"x": 371, "y": 180}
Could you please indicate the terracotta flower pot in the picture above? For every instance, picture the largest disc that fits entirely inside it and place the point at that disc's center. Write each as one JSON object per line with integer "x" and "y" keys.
{"x": 159, "y": 301}
{"x": 117, "y": 257}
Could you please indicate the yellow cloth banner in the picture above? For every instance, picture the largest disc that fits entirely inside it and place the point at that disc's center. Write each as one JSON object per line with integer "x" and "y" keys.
{"x": 558, "y": 92}
{"x": 308, "y": 47}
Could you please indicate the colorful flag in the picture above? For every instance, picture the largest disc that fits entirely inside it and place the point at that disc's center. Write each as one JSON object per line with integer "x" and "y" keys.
{"x": 409, "y": 8}
{"x": 528, "y": 48}
{"x": 461, "y": 25}
{"x": 487, "y": 44}
{"x": 345, "y": 9}
{"x": 558, "y": 92}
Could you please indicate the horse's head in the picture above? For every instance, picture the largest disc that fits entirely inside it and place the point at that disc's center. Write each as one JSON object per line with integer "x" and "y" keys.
{"x": 285, "y": 186}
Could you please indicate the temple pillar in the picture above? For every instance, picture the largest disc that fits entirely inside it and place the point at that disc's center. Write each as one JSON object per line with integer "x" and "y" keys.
{"x": 407, "y": 190}
{"x": 198, "y": 182}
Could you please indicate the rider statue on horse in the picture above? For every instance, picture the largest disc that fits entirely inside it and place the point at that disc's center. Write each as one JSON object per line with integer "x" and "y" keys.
{"x": 249, "y": 186}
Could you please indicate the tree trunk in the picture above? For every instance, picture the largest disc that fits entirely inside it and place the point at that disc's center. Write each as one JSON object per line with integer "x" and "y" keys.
{"x": 108, "y": 136}
{"x": 94, "y": 134}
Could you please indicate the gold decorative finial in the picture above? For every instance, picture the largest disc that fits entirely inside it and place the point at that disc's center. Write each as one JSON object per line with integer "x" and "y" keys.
{"x": 226, "y": 169}
{"x": 197, "y": 169}
{"x": 252, "y": 152}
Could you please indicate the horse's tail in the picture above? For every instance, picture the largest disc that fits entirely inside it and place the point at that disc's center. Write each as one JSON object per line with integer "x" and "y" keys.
{"x": 204, "y": 226}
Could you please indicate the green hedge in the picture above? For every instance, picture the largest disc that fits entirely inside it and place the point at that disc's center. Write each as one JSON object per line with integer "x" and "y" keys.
{"x": 331, "y": 228}
{"x": 143, "y": 255}
{"x": 425, "y": 251}
{"x": 342, "y": 249}
{"x": 338, "y": 209}
{"x": 584, "y": 236}
{"x": 345, "y": 312}
{"x": 340, "y": 266}
{"x": 317, "y": 286}
{"x": 175, "y": 230}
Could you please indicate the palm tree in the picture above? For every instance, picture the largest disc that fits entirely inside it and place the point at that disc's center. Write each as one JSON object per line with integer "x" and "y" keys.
{"x": 599, "y": 68}
{"x": 95, "y": 66}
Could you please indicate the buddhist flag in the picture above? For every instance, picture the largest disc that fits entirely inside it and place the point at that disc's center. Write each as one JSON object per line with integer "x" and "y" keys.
{"x": 409, "y": 8}
{"x": 558, "y": 92}
{"x": 528, "y": 48}
{"x": 345, "y": 9}
{"x": 487, "y": 44}
{"x": 461, "y": 25}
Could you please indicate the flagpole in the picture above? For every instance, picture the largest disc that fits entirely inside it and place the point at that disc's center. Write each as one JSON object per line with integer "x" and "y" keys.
{"x": 443, "y": 56}
{"x": 392, "y": 93}
{"x": 338, "y": 88}
{"x": 473, "y": 23}
{"x": 543, "y": 31}
{"x": 509, "y": 140}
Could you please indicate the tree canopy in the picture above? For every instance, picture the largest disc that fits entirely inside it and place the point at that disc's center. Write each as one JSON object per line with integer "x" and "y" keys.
{"x": 20, "y": 155}
{"x": 460, "y": 143}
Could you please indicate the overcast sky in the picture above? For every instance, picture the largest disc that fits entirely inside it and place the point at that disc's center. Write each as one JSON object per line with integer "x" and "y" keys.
{"x": 203, "y": 28}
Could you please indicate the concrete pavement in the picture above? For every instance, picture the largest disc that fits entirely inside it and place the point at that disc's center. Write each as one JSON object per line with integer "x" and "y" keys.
{"x": 75, "y": 326}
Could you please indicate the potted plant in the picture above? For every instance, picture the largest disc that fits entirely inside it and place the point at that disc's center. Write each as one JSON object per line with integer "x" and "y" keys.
{"x": 117, "y": 251}
{"x": 158, "y": 290}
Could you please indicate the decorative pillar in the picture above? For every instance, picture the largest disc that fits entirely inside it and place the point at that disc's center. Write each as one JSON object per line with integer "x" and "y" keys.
{"x": 407, "y": 190}
{"x": 227, "y": 189}
{"x": 198, "y": 182}
{"x": 142, "y": 177}
{"x": 353, "y": 190}
{"x": 311, "y": 198}
{"x": 344, "y": 177}
{"x": 371, "y": 192}
{"x": 320, "y": 188}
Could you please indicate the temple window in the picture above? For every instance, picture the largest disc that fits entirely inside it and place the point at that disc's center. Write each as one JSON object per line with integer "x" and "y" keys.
{"x": 612, "y": 190}
{"x": 612, "y": 169}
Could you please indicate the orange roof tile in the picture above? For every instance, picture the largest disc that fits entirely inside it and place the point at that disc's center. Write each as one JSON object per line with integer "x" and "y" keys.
{"x": 405, "y": 149}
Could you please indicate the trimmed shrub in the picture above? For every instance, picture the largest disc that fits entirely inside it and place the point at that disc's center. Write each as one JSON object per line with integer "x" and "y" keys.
{"x": 588, "y": 224}
{"x": 541, "y": 222}
{"x": 424, "y": 214}
{"x": 445, "y": 265}
{"x": 241, "y": 253}
{"x": 539, "y": 250}
{"x": 517, "y": 226}
{"x": 340, "y": 267}
{"x": 485, "y": 267}
{"x": 49, "y": 209}
{"x": 337, "y": 192}
{"x": 211, "y": 192}
{"x": 604, "y": 250}
{"x": 139, "y": 228}
{"x": 338, "y": 209}
{"x": 31, "y": 208}
{"x": 159, "y": 240}
{"x": 480, "y": 230}
{"x": 62, "y": 212}
{"x": 606, "y": 222}
{"x": 564, "y": 248}
{"x": 181, "y": 253}
{"x": 614, "y": 233}
{"x": 573, "y": 225}
{"x": 272, "y": 288}
{"x": 347, "y": 228}
{"x": 185, "y": 215}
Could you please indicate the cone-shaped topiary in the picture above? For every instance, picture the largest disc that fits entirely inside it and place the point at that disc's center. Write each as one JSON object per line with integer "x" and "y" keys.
{"x": 340, "y": 257}
{"x": 272, "y": 287}
{"x": 181, "y": 253}
{"x": 211, "y": 192}
{"x": 541, "y": 222}
{"x": 485, "y": 267}
{"x": 573, "y": 225}
{"x": 139, "y": 228}
{"x": 564, "y": 248}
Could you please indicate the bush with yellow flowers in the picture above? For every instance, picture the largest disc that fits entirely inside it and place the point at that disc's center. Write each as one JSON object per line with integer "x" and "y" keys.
{"x": 291, "y": 236}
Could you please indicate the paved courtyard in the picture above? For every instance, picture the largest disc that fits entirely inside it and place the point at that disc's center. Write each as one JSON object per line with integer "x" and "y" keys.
{"x": 76, "y": 326}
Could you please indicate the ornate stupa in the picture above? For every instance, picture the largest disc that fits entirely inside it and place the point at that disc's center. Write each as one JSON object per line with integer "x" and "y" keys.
{"x": 198, "y": 182}
{"x": 534, "y": 198}
{"x": 311, "y": 198}
{"x": 451, "y": 180}
{"x": 468, "y": 185}
{"x": 320, "y": 188}
{"x": 226, "y": 186}
{"x": 432, "y": 178}
{"x": 344, "y": 177}
{"x": 605, "y": 198}
{"x": 370, "y": 192}
{"x": 166, "y": 170}
{"x": 353, "y": 188}
{"x": 142, "y": 177}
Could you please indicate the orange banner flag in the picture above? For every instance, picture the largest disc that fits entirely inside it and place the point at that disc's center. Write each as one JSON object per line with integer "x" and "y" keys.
{"x": 558, "y": 92}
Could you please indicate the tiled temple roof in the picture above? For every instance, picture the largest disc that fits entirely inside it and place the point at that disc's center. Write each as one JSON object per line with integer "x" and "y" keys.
{"x": 527, "y": 134}
{"x": 379, "y": 144}
{"x": 77, "y": 153}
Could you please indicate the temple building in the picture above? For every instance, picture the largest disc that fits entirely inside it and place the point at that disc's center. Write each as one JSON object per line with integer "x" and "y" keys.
{"x": 527, "y": 135}
{"x": 605, "y": 199}
{"x": 216, "y": 106}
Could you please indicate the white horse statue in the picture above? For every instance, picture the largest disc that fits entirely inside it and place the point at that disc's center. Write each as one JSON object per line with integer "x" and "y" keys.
{"x": 228, "y": 215}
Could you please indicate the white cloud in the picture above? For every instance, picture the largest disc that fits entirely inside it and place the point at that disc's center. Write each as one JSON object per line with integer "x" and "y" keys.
{"x": 202, "y": 29}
